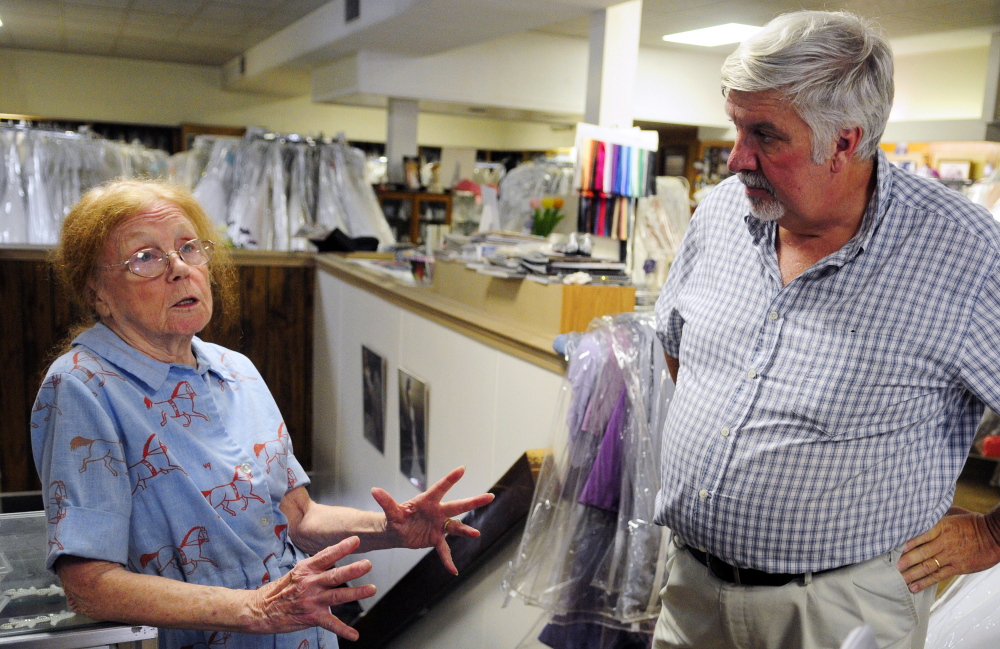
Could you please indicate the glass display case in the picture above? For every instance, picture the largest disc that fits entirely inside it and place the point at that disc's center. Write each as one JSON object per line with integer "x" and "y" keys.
{"x": 33, "y": 607}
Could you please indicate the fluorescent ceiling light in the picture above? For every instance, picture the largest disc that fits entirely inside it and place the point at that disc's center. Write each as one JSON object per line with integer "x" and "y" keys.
{"x": 712, "y": 36}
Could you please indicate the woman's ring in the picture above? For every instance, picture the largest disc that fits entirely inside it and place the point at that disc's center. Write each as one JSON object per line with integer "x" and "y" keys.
{"x": 935, "y": 561}
{"x": 446, "y": 523}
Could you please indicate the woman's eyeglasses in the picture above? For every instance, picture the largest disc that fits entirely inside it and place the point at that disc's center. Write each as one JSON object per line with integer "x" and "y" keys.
{"x": 153, "y": 262}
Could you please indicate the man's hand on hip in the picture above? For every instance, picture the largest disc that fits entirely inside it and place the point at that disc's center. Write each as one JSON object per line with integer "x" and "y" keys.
{"x": 962, "y": 542}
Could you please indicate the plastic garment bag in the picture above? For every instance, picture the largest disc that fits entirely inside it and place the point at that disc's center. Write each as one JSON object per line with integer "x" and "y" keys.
{"x": 590, "y": 552}
{"x": 248, "y": 224}
{"x": 215, "y": 187}
{"x": 43, "y": 228}
{"x": 364, "y": 213}
{"x": 301, "y": 195}
{"x": 13, "y": 216}
{"x": 967, "y": 615}
{"x": 275, "y": 172}
{"x": 329, "y": 209}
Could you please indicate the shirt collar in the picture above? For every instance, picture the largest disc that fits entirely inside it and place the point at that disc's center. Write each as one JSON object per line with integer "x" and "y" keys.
{"x": 764, "y": 232}
{"x": 149, "y": 371}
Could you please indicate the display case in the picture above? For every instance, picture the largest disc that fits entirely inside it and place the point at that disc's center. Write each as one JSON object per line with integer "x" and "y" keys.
{"x": 33, "y": 607}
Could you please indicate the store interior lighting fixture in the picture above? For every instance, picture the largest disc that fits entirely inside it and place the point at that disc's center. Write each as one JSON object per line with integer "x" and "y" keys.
{"x": 713, "y": 36}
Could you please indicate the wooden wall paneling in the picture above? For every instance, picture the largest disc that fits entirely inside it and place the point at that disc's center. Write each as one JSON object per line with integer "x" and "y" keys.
{"x": 289, "y": 307}
{"x": 15, "y": 453}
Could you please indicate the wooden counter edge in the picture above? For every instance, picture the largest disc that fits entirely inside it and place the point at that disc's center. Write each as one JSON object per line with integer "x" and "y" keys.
{"x": 495, "y": 332}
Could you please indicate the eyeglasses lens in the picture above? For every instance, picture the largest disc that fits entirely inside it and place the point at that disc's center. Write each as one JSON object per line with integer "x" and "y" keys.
{"x": 152, "y": 262}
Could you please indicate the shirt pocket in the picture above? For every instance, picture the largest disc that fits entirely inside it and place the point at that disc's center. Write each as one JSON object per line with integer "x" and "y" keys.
{"x": 865, "y": 384}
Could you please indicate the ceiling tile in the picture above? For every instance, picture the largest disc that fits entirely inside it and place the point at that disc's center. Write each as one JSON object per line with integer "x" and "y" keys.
{"x": 52, "y": 42}
{"x": 166, "y": 22}
{"x": 113, "y": 4}
{"x": 232, "y": 14}
{"x": 81, "y": 15}
{"x": 177, "y": 7}
{"x": 88, "y": 46}
{"x": 30, "y": 8}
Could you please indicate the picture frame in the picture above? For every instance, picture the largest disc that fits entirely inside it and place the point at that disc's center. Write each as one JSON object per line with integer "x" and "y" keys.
{"x": 954, "y": 169}
{"x": 374, "y": 392}
{"x": 414, "y": 406}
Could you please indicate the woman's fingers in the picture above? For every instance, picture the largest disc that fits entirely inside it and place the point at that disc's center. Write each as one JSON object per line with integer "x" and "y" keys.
{"x": 343, "y": 574}
{"x": 444, "y": 551}
{"x": 458, "y": 528}
{"x": 338, "y": 596}
{"x": 463, "y": 505}
{"x": 385, "y": 501}
{"x": 441, "y": 487}
{"x": 328, "y": 557}
{"x": 331, "y": 622}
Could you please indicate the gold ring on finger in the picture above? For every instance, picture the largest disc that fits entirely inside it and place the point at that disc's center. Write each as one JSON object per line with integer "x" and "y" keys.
{"x": 937, "y": 562}
{"x": 447, "y": 522}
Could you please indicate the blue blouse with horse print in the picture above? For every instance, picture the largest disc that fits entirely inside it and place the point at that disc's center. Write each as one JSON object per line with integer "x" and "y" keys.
{"x": 169, "y": 470}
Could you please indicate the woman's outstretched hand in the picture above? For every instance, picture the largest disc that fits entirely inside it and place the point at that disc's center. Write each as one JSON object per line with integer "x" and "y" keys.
{"x": 420, "y": 522}
{"x": 303, "y": 597}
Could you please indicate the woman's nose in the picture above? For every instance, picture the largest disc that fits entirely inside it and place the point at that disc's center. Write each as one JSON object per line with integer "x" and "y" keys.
{"x": 178, "y": 268}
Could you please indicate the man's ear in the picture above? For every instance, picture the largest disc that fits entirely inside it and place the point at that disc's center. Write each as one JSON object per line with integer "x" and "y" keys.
{"x": 845, "y": 146}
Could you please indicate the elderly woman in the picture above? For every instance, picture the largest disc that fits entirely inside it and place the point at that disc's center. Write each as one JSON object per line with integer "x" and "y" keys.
{"x": 173, "y": 496}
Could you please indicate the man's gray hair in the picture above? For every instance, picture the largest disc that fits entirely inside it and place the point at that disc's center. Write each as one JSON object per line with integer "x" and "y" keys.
{"x": 834, "y": 67}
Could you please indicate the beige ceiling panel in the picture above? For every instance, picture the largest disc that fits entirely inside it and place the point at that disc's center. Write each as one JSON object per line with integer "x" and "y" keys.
{"x": 30, "y": 8}
{"x": 80, "y": 15}
{"x": 178, "y": 7}
{"x": 115, "y": 4}
{"x": 52, "y": 42}
{"x": 219, "y": 12}
{"x": 148, "y": 19}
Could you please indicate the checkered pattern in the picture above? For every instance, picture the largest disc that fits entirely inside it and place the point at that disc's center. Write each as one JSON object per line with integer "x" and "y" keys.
{"x": 825, "y": 422}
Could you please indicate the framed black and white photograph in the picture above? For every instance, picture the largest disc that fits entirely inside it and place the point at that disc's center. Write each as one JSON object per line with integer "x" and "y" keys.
{"x": 413, "y": 407}
{"x": 373, "y": 371}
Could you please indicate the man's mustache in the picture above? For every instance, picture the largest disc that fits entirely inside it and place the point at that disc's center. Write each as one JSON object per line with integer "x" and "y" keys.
{"x": 756, "y": 180}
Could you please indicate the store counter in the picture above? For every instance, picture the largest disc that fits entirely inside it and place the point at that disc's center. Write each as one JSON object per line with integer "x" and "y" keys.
{"x": 33, "y": 609}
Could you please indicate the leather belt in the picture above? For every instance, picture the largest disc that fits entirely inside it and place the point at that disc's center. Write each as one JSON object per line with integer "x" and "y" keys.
{"x": 745, "y": 576}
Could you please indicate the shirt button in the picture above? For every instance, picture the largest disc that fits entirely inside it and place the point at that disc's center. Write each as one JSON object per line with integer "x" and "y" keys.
{"x": 773, "y": 315}
{"x": 725, "y": 432}
{"x": 265, "y": 521}
{"x": 703, "y": 494}
{"x": 751, "y": 374}
{"x": 245, "y": 467}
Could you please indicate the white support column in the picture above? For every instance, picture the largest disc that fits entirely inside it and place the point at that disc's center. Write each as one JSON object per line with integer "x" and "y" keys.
{"x": 614, "y": 56}
{"x": 401, "y": 136}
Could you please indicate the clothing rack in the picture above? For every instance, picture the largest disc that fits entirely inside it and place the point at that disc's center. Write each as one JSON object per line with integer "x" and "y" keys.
{"x": 44, "y": 172}
{"x": 278, "y": 191}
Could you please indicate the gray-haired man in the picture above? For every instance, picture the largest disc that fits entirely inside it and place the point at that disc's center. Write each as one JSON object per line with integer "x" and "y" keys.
{"x": 832, "y": 324}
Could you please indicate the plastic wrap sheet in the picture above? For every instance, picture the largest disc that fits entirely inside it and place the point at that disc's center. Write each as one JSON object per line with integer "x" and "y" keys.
{"x": 43, "y": 227}
{"x": 330, "y": 214}
{"x": 248, "y": 223}
{"x": 590, "y": 552}
{"x": 967, "y": 615}
{"x": 526, "y": 181}
{"x": 13, "y": 214}
{"x": 275, "y": 173}
{"x": 302, "y": 195}
{"x": 215, "y": 187}
{"x": 360, "y": 202}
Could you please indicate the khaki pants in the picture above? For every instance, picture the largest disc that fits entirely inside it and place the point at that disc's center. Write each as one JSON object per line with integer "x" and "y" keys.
{"x": 702, "y": 612}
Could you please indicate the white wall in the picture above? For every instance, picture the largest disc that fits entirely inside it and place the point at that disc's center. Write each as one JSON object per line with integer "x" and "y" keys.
{"x": 73, "y": 86}
{"x": 944, "y": 85}
{"x": 486, "y": 409}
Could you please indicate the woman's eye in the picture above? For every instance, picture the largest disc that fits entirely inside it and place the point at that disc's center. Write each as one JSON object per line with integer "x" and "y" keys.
{"x": 144, "y": 256}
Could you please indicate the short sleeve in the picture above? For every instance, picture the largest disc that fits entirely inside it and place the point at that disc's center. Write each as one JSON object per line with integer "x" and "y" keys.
{"x": 80, "y": 459}
{"x": 669, "y": 322}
